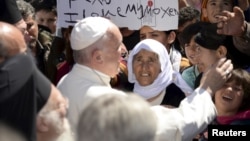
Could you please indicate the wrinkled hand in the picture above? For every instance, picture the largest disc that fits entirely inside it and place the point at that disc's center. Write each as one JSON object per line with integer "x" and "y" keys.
{"x": 216, "y": 76}
{"x": 231, "y": 23}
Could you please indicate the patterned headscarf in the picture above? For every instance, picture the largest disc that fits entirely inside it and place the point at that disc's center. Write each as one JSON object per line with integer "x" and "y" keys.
{"x": 165, "y": 77}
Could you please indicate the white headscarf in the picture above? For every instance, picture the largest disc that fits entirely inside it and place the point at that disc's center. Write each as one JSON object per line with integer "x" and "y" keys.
{"x": 165, "y": 77}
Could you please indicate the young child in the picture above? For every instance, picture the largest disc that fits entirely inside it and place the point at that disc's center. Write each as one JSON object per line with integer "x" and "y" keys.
{"x": 232, "y": 101}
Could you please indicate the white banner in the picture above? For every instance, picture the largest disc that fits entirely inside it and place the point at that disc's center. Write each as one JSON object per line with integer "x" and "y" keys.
{"x": 158, "y": 14}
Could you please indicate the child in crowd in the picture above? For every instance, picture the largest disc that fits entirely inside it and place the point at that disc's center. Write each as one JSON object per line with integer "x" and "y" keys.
{"x": 211, "y": 11}
{"x": 186, "y": 39}
{"x": 232, "y": 101}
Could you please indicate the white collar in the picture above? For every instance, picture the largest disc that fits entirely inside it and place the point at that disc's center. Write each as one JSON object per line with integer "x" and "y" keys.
{"x": 95, "y": 74}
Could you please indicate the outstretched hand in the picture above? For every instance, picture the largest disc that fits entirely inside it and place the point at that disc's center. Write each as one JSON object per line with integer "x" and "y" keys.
{"x": 231, "y": 23}
{"x": 216, "y": 76}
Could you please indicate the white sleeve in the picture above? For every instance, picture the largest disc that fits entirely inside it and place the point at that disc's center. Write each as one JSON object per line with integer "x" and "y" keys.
{"x": 184, "y": 123}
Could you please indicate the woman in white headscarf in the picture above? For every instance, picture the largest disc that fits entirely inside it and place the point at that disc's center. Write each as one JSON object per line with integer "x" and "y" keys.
{"x": 150, "y": 69}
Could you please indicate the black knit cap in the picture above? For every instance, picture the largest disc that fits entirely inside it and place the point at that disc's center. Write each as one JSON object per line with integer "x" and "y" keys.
{"x": 208, "y": 37}
{"x": 9, "y": 11}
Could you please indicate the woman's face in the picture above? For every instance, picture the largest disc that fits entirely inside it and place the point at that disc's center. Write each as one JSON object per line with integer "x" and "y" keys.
{"x": 146, "y": 67}
{"x": 190, "y": 51}
{"x": 147, "y": 32}
{"x": 205, "y": 57}
{"x": 228, "y": 99}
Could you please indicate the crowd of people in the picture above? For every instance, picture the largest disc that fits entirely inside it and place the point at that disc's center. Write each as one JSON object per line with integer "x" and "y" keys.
{"x": 97, "y": 81}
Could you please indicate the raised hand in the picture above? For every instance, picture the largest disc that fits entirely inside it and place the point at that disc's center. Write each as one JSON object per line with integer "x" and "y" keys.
{"x": 232, "y": 23}
{"x": 216, "y": 75}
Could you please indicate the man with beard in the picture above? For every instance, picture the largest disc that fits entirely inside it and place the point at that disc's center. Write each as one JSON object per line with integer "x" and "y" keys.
{"x": 52, "y": 124}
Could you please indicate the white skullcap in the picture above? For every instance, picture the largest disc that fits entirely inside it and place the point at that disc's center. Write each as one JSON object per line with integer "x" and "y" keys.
{"x": 87, "y": 31}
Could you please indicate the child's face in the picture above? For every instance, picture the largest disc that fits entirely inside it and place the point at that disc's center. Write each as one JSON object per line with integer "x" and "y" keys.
{"x": 147, "y": 32}
{"x": 229, "y": 98}
{"x": 215, "y": 7}
{"x": 190, "y": 51}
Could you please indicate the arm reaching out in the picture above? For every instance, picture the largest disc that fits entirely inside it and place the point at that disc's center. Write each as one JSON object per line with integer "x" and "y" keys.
{"x": 233, "y": 23}
{"x": 196, "y": 111}
{"x": 216, "y": 76}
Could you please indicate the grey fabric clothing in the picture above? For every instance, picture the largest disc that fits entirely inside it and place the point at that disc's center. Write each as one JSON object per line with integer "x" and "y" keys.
{"x": 242, "y": 43}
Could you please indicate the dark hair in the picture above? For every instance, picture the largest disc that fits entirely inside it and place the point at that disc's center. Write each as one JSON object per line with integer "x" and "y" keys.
{"x": 46, "y": 5}
{"x": 186, "y": 35}
{"x": 25, "y": 8}
{"x": 168, "y": 32}
{"x": 176, "y": 42}
{"x": 242, "y": 78}
{"x": 188, "y": 13}
{"x": 209, "y": 38}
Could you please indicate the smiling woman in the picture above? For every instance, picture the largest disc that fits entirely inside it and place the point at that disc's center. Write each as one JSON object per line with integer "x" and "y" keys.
{"x": 150, "y": 69}
{"x": 144, "y": 60}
